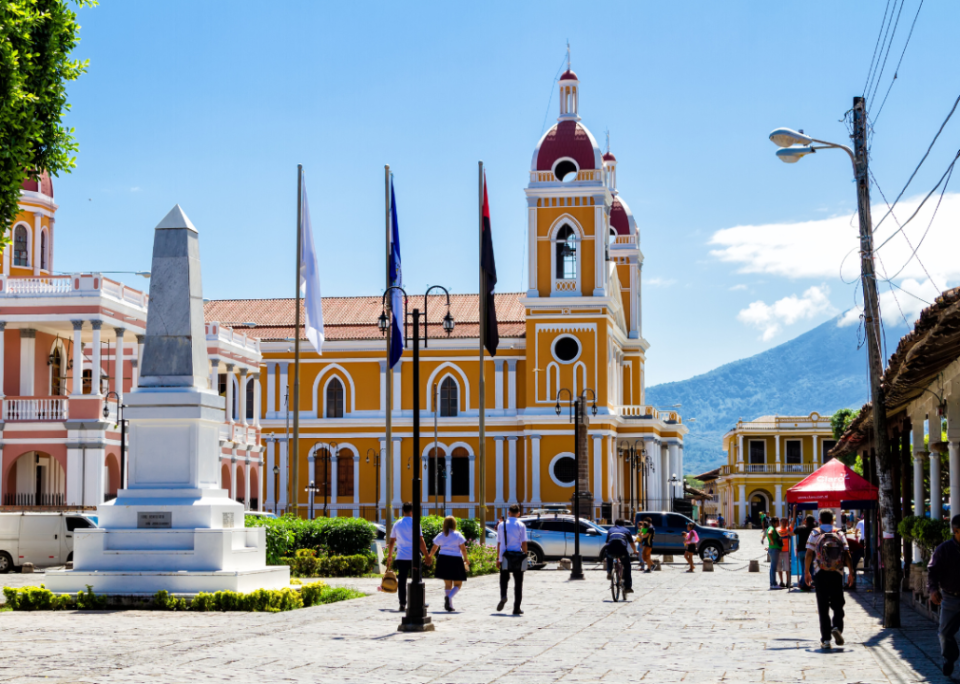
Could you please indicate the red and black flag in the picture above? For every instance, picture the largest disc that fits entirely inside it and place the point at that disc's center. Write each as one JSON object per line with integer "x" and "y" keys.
{"x": 488, "y": 271}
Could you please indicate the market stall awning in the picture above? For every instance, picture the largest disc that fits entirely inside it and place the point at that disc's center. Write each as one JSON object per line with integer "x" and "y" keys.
{"x": 830, "y": 486}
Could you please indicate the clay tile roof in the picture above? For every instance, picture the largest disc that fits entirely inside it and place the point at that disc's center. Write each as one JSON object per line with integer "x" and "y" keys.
{"x": 45, "y": 186}
{"x": 355, "y": 318}
{"x": 568, "y": 75}
{"x": 618, "y": 217}
{"x": 566, "y": 139}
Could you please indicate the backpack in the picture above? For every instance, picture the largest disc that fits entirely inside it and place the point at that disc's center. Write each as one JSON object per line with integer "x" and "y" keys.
{"x": 830, "y": 552}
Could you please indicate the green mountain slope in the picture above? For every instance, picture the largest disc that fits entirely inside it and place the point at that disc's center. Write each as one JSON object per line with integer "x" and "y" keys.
{"x": 821, "y": 370}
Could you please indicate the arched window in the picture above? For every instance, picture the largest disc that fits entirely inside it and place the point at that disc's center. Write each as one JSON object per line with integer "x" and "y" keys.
{"x": 436, "y": 472}
{"x": 321, "y": 466}
{"x": 460, "y": 472}
{"x": 335, "y": 399}
{"x": 566, "y": 253}
{"x": 345, "y": 474}
{"x": 251, "y": 389}
{"x": 448, "y": 398}
{"x": 21, "y": 254}
{"x": 43, "y": 250}
{"x": 56, "y": 373}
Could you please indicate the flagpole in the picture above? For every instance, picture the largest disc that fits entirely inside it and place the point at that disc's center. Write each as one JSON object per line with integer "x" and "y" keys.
{"x": 295, "y": 455}
{"x": 482, "y": 390}
{"x": 388, "y": 399}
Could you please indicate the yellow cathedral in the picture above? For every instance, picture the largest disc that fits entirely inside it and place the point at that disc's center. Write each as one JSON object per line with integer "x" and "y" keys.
{"x": 578, "y": 326}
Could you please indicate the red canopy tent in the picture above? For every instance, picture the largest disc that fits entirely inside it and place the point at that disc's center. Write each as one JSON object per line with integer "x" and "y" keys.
{"x": 832, "y": 486}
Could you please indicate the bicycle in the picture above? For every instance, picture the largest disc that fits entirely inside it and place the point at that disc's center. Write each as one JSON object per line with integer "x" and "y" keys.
{"x": 616, "y": 580}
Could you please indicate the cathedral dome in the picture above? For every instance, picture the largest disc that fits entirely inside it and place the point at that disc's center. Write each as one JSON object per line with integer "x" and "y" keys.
{"x": 621, "y": 218}
{"x": 568, "y": 75}
{"x": 44, "y": 187}
{"x": 568, "y": 139}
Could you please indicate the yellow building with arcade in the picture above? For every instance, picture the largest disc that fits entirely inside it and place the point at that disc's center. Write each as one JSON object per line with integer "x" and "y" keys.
{"x": 577, "y": 326}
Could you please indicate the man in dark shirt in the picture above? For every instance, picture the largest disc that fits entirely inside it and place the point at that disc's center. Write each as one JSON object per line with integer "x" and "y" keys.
{"x": 619, "y": 545}
{"x": 802, "y": 533}
{"x": 943, "y": 584}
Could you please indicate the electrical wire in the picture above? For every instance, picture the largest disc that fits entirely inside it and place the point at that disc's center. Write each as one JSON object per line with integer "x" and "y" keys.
{"x": 546, "y": 114}
{"x": 875, "y": 47}
{"x": 887, "y": 54}
{"x": 896, "y": 71}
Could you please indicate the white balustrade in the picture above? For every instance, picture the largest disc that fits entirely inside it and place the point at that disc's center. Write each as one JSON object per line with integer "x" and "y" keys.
{"x": 53, "y": 285}
{"x": 75, "y": 285}
{"x": 565, "y": 285}
{"x": 35, "y": 409}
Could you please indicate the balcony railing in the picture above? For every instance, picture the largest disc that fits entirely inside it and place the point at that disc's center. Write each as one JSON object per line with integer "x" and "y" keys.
{"x": 35, "y": 409}
{"x": 24, "y": 499}
{"x": 74, "y": 285}
{"x": 216, "y": 331}
{"x": 767, "y": 468}
{"x": 564, "y": 285}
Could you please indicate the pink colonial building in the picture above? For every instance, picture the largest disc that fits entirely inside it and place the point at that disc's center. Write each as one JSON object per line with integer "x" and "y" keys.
{"x": 69, "y": 345}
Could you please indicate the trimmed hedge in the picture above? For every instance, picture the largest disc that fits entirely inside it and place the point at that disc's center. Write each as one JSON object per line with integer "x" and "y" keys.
{"x": 336, "y": 536}
{"x": 306, "y": 563}
{"x": 432, "y": 525}
{"x": 928, "y": 533}
{"x": 41, "y": 598}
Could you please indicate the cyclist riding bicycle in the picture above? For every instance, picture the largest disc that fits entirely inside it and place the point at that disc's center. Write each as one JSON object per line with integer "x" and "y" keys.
{"x": 620, "y": 545}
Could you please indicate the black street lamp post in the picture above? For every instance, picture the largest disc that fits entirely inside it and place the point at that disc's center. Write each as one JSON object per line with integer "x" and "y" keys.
{"x": 311, "y": 490}
{"x": 324, "y": 454}
{"x": 376, "y": 464}
{"x": 123, "y": 434}
{"x": 416, "y": 618}
{"x": 577, "y": 415}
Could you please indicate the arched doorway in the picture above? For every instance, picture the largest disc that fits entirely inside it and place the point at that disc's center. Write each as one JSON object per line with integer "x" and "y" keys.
{"x": 225, "y": 478}
{"x": 241, "y": 483}
{"x": 254, "y": 489}
{"x": 111, "y": 477}
{"x": 35, "y": 479}
{"x": 759, "y": 503}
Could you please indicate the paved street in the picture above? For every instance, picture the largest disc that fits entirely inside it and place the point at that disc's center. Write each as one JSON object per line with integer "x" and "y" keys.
{"x": 724, "y": 626}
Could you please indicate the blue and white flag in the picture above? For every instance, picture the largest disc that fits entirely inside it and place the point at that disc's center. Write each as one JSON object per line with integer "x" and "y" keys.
{"x": 310, "y": 276}
{"x": 396, "y": 279}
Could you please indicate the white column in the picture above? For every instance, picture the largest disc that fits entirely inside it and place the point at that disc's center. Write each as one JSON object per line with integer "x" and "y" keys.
{"x": 95, "y": 359}
{"x": 246, "y": 483}
{"x": 3, "y": 326}
{"x": 776, "y": 450}
{"x": 512, "y": 385}
{"x": 271, "y": 389}
{"x": 599, "y": 243}
{"x": 498, "y": 384}
{"x": 284, "y": 473}
{"x": 140, "y": 341}
{"x": 918, "y": 462}
{"x": 778, "y": 500}
{"x": 674, "y": 452}
{"x": 397, "y": 386}
{"x": 498, "y": 441}
{"x": 284, "y": 401}
{"x": 214, "y": 379}
{"x": 383, "y": 476}
{"x": 665, "y": 492}
{"x": 397, "y": 471}
{"x": 255, "y": 379}
{"x": 74, "y": 489}
{"x": 28, "y": 365}
{"x": 936, "y": 511}
{"x": 597, "y": 484}
{"x": 473, "y": 480}
{"x": 743, "y": 504}
{"x": 817, "y": 458}
{"x": 118, "y": 362}
{"x": 532, "y": 290}
{"x": 267, "y": 476}
{"x": 535, "y": 469}
{"x": 512, "y": 470}
{"x": 228, "y": 406}
{"x": 242, "y": 399}
{"x": 37, "y": 229}
{"x": 233, "y": 474}
{"x": 954, "y": 447}
{"x": 448, "y": 485}
{"x": 311, "y": 470}
{"x": 356, "y": 485}
{"x": 94, "y": 464}
{"x": 739, "y": 448}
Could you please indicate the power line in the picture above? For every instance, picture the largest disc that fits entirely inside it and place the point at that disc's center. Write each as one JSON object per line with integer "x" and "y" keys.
{"x": 887, "y": 54}
{"x": 896, "y": 71}
{"x": 877, "y": 45}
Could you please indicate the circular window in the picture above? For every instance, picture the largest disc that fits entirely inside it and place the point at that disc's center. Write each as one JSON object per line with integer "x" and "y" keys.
{"x": 563, "y": 470}
{"x": 565, "y": 171}
{"x": 566, "y": 349}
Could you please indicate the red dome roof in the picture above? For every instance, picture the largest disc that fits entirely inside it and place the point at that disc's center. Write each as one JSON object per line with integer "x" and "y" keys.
{"x": 568, "y": 75}
{"x": 618, "y": 217}
{"x": 45, "y": 185}
{"x": 567, "y": 139}
{"x": 609, "y": 157}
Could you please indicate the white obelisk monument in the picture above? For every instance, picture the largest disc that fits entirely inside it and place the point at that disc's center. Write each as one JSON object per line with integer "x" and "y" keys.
{"x": 173, "y": 527}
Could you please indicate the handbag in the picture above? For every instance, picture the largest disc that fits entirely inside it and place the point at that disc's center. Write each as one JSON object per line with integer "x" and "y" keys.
{"x": 389, "y": 582}
{"x": 516, "y": 561}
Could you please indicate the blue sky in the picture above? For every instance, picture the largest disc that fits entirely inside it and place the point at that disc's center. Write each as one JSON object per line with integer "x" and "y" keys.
{"x": 213, "y": 105}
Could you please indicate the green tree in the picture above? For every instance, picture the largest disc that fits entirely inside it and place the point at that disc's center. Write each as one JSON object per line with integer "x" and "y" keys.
{"x": 840, "y": 421}
{"x": 36, "y": 39}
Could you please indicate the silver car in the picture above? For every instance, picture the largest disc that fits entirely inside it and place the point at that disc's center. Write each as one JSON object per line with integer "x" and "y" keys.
{"x": 550, "y": 537}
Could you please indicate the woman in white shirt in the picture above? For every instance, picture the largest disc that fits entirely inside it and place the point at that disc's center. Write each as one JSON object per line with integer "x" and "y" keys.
{"x": 452, "y": 563}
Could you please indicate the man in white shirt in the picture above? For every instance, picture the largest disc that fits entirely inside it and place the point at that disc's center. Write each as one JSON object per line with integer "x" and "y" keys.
{"x": 511, "y": 549}
{"x": 402, "y": 537}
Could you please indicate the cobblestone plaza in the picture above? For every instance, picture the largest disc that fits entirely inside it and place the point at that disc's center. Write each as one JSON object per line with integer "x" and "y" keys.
{"x": 677, "y": 627}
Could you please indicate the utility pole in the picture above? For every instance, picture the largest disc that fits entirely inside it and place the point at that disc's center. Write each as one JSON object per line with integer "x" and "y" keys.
{"x": 871, "y": 312}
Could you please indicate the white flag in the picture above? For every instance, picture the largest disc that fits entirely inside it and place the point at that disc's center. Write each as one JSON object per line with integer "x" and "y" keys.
{"x": 310, "y": 277}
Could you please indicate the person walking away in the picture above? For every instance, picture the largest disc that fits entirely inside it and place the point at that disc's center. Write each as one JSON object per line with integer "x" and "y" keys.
{"x": 647, "y": 534}
{"x": 402, "y": 537}
{"x": 511, "y": 554}
{"x": 943, "y": 584}
{"x": 856, "y": 549}
{"x": 802, "y": 534}
{"x": 721, "y": 523}
{"x": 784, "y": 572}
{"x": 620, "y": 545}
{"x": 452, "y": 563}
{"x": 690, "y": 542}
{"x": 764, "y": 523}
{"x": 827, "y": 553}
{"x": 774, "y": 546}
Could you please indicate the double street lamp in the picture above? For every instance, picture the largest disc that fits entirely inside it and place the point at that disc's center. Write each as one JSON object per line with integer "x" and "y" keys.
{"x": 376, "y": 464}
{"x": 311, "y": 490}
{"x": 416, "y": 618}
{"x": 577, "y": 406}
{"x": 324, "y": 453}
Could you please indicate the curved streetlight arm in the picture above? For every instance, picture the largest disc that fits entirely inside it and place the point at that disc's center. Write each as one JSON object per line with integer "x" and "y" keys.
{"x": 834, "y": 146}
{"x": 426, "y": 318}
{"x": 383, "y": 310}
{"x": 569, "y": 394}
{"x": 583, "y": 395}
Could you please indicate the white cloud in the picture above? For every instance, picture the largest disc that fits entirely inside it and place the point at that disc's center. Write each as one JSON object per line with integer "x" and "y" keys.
{"x": 816, "y": 249}
{"x": 897, "y": 304}
{"x": 661, "y": 282}
{"x": 770, "y": 318}
{"x": 735, "y": 288}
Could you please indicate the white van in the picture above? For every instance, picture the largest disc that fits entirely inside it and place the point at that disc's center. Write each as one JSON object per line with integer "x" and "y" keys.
{"x": 44, "y": 539}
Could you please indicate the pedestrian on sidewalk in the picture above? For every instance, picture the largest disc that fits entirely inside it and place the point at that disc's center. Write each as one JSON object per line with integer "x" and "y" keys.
{"x": 943, "y": 584}
{"x": 801, "y": 535}
{"x": 690, "y": 542}
{"x": 783, "y": 563}
{"x": 647, "y": 533}
{"x": 453, "y": 562}
{"x": 511, "y": 558}
{"x": 774, "y": 546}
{"x": 827, "y": 553}
{"x": 402, "y": 537}
{"x": 856, "y": 548}
{"x": 721, "y": 523}
{"x": 764, "y": 523}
